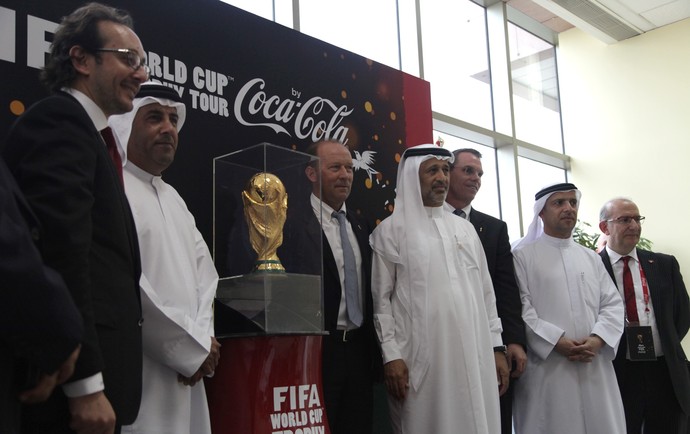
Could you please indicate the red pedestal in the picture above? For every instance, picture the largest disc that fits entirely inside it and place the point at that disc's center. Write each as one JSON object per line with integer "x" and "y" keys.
{"x": 268, "y": 385}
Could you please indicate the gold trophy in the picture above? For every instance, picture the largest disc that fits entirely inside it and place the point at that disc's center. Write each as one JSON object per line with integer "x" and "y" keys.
{"x": 265, "y": 210}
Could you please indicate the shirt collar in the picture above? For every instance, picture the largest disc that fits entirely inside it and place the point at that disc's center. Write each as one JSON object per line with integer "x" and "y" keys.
{"x": 435, "y": 211}
{"x": 450, "y": 208}
{"x": 95, "y": 113}
{"x": 557, "y": 242}
{"x": 615, "y": 257}
{"x": 326, "y": 211}
{"x": 139, "y": 172}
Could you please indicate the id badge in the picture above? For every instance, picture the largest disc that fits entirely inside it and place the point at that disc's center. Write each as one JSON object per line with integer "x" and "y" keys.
{"x": 640, "y": 343}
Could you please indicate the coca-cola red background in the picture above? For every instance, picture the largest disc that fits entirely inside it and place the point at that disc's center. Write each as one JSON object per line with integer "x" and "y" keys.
{"x": 245, "y": 80}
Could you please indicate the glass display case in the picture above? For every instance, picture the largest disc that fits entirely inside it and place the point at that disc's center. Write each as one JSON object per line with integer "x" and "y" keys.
{"x": 269, "y": 266}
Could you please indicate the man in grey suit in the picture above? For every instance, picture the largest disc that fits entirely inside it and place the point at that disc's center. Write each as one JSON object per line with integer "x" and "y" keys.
{"x": 465, "y": 180}
{"x": 652, "y": 373}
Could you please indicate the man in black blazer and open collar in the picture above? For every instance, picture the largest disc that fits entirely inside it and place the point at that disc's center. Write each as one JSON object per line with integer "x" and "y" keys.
{"x": 350, "y": 352}
{"x": 61, "y": 163}
{"x": 465, "y": 181}
{"x": 652, "y": 374}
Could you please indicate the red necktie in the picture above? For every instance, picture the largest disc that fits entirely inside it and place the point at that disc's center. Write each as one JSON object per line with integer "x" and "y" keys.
{"x": 629, "y": 291}
{"x": 109, "y": 139}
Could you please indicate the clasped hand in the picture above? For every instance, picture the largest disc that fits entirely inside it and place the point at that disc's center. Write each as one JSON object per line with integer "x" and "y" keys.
{"x": 582, "y": 350}
{"x": 206, "y": 368}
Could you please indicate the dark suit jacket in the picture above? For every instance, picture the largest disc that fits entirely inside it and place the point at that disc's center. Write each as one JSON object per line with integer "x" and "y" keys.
{"x": 61, "y": 165}
{"x": 672, "y": 312}
{"x": 39, "y": 324}
{"x": 303, "y": 239}
{"x": 493, "y": 233}
{"x": 306, "y": 238}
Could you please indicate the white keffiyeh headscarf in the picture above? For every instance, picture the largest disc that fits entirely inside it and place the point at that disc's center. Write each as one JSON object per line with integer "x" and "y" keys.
{"x": 403, "y": 239}
{"x": 149, "y": 93}
{"x": 536, "y": 228}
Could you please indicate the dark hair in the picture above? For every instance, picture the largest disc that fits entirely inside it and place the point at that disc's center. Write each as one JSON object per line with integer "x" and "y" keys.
{"x": 78, "y": 28}
{"x": 468, "y": 150}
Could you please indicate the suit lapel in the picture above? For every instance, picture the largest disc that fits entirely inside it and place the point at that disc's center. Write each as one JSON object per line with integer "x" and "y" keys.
{"x": 313, "y": 228}
{"x": 120, "y": 196}
{"x": 316, "y": 238}
{"x": 651, "y": 273}
{"x": 623, "y": 343}
{"x": 478, "y": 221}
{"x": 607, "y": 264}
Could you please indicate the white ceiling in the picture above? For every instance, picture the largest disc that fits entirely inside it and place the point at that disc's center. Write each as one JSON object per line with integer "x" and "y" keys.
{"x": 608, "y": 20}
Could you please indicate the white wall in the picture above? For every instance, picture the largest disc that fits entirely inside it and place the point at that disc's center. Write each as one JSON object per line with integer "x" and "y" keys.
{"x": 626, "y": 115}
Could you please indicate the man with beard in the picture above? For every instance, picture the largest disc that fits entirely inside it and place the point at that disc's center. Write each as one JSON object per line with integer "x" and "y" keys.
{"x": 178, "y": 279}
{"x": 574, "y": 320}
{"x": 434, "y": 308}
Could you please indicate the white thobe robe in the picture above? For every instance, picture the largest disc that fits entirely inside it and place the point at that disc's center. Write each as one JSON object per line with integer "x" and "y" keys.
{"x": 178, "y": 285}
{"x": 458, "y": 392}
{"x": 566, "y": 291}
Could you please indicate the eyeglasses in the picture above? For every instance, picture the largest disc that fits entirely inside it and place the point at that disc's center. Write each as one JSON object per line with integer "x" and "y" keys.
{"x": 627, "y": 219}
{"x": 134, "y": 60}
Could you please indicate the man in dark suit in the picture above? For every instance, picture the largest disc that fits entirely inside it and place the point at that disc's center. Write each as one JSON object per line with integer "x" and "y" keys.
{"x": 40, "y": 327}
{"x": 652, "y": 374}
{"x": 350, "y": 353}
{"x": 62, "y": 165}
{"x": 465, "y": 181}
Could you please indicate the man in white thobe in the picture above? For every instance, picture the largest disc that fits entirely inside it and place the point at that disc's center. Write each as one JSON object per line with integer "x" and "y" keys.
{"x": 435, "y": 309}
{"x": 178, "y": 280}
{"x": 574, "y": 319}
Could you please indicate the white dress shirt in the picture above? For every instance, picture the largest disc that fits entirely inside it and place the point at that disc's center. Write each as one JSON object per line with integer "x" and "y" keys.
{"x": 646, "y": 318}
{"x": 331, "y": 228}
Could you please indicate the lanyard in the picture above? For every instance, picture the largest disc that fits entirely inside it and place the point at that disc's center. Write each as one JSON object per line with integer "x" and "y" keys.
{"x": 645, "y": 290}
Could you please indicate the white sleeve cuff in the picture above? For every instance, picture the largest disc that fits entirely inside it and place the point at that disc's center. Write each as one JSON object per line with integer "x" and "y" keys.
{"x": 85, "y": 386}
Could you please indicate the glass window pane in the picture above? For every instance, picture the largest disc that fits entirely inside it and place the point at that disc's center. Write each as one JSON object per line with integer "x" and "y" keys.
{"x": 535, "y": 90}
{"x": 283, "y": 11}
{"x": 533, "y": 177}
{"x": 456, "y": 60}
{"x": 368, "y": 28}
{"x": 486, "y": 200}
{"x": 409, "y": 48}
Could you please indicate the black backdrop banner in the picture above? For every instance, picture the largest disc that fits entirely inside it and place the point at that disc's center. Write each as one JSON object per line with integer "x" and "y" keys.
{"x": 245, "y": 80}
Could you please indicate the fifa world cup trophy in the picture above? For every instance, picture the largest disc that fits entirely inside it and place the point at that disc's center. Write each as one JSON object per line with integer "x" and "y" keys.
{"x": 265, "y": 210}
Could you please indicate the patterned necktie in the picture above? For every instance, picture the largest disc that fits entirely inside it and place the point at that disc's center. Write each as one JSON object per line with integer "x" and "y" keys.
{"x": 109, "y": 139}
{"x": 460, "y": 213}
{"x": 629, "y": 291}
{"x": 354, "y": 312}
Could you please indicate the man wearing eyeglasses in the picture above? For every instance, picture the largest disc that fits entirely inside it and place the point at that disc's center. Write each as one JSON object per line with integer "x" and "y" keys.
{"x": 465, "y": 180}
{"x": 68, "y": 168}
{"x": 650, "y": 364}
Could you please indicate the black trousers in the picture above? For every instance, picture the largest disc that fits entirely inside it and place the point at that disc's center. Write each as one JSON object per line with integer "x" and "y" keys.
{"x": 650, "y": 403}
{"x": 506, "y": 402}
{"x": 348, "y": 382}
